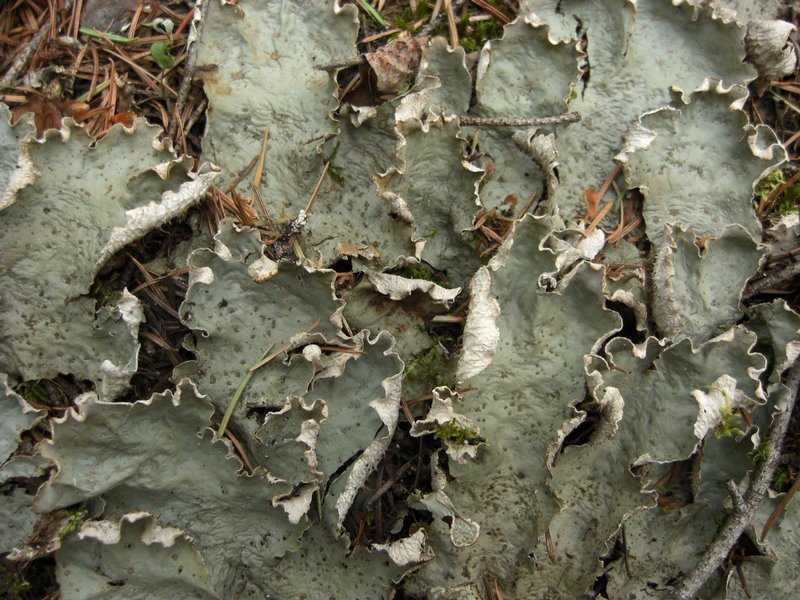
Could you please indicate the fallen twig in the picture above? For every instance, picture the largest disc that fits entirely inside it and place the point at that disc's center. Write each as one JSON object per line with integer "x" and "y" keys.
{"x": 742, "y": 515}
{"x": 776, "y": 278}
{"x": 571, "y": 117}
{"x": 188, "y": 68}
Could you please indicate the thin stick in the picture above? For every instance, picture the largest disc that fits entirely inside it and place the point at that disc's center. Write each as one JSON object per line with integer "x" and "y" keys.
{"x": 189, "y": 66}
{"x": 571, "y": 117}
{"x": 341, "y": 64}
{"x": 198, "y": 110}
{"x": 715, "y": 555}
{"x": 388, "y": 483}
{"x": 21, "y": 62}
{"x": 774, "y": 278}
{"x": 782, "y": 256}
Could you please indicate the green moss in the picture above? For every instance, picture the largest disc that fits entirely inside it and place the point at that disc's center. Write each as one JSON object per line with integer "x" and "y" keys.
{"x": 77, "y": 516}
{"x": 770, "y": 183}
{"x": 14, "y": 585}
{"x": 456, "y": 434}
{"x": 407, "y": 18}
{"x": 421, "y": 271}
{"x": 472, "y": 36}
{"x": 104, "y": 292}
{"x": 34, "y": 392}
{"x": 475, "y": 35}
{"x": 334, "y": 171}
{"x": 429, "y": 367}
{"x": 759, "y": 455}
{"x": 789, "y": 199}
{"x": 730, "y": 425}
{"x": 730, "y": 422}
{"x": 781, "y": 481}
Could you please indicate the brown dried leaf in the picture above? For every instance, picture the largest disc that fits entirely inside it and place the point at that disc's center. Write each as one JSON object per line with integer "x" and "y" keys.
{"x": 395, "y": 65}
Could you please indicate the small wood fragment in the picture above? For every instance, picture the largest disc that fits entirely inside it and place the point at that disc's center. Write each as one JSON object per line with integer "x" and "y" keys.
{"x": 570, "y": 117}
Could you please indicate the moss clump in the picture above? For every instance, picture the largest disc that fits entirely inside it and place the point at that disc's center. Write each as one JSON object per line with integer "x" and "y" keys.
{"x": 759, "y": 455}
{"x": 456, "y": 434}
{"x": 410, "y": 16}
{"x": 730, "y": 425}
{"x": 787, "y": 202}
{"x": 334, "y": 170}
{"x": 15, "y": 585}
{"x": 781, "y": 481}
{"x": 34, "y": 392}
{"x": 422, "y": 271}
{"x": 475, "y": 35}
{"x": 76, "y": 518}
{"x": 429, "y": 367}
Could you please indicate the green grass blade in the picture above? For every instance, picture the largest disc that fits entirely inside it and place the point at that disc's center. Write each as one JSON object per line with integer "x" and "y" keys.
{"x": 120, "y": 39}
{"x": 237, "y": 396}
{"x": 370, "y": 10}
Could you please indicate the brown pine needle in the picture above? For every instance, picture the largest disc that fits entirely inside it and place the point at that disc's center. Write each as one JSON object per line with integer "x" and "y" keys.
{"x": 260, "y": 165}
{"x": 241, "y": 176}
{"x": 382, "y": 34}
{"x": 240, "y": 451}
{"x": 316, "y": 187}
{"x": 343, "y": 350}
{"x": 497, "y": 14}
{"x": 769, "y": 200}
{"x": 237, "y": 395}
{"x": 452, "y": 26}
{"x": 598, "y": 195}
{"x": 780, "y": 508}
{"x": 283, "y": 348}
{"x": 491, "y": 234}
{"x": 603, "y": 212}
{"x": 618, "y": 234}
{"x": 407, "y": 411}
{"x": 447, "y": 319}
{"x": 527, "y": 207}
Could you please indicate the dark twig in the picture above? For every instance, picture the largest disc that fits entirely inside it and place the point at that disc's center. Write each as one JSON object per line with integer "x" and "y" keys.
{"x": 188, "y": 67}
{"x": 21, "y": 62}
{"x": 716, "y": 554}
{"x": 571, "y": 117}
{"x": 388, "y": 483}
{"x": 341, "y": 64}
{"x": 196, "y": 114}
{"x": 775, "y": 279}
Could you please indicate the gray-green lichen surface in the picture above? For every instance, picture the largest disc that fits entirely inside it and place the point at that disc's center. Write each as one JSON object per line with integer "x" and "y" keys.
{"x": 588, "y": 402}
